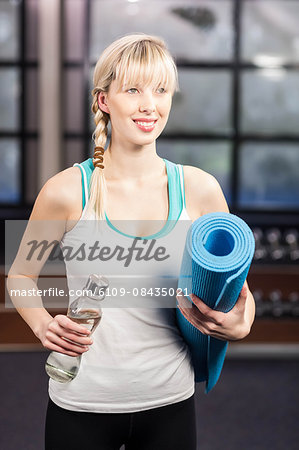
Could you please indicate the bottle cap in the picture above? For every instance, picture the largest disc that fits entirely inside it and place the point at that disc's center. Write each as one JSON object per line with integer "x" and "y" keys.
{"x": 96, "y": 287}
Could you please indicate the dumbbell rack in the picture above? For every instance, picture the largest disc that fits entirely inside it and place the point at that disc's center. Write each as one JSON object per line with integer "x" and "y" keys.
{"x": 276, "y": 262}
{"x": 274, "y": 279}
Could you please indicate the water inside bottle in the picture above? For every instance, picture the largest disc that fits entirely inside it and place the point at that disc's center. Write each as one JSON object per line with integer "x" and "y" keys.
{"x": 64, "y": 368}
{"x": 62, "y": 375}
{"x": 89, "y": 318}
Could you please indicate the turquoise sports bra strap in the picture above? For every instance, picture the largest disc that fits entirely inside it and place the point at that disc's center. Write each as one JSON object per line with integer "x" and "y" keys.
{"x": 175, "y": 202}
{"x": 86, "y": 168}
{"x": 82, "y": 184}
{"x": 181, "y": 169}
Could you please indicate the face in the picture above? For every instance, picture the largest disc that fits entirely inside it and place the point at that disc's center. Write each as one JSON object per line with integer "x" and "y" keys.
{"x": 138, "y": 113}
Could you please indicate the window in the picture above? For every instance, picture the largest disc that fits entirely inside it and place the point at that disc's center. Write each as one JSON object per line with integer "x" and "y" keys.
{"x": 237, "y": 109}
{"x": 18, "y": 99}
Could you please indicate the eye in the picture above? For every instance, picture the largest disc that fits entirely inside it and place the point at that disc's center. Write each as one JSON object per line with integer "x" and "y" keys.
{"x": 132, "y": 89}
{"x": 163, "y": 90}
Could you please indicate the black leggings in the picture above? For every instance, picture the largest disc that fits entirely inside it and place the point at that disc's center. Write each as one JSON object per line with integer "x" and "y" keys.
{"x": 170, "y": 427}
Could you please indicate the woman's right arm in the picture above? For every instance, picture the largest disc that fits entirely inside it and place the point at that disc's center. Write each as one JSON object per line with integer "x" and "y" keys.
{"x": 47, "y": 222}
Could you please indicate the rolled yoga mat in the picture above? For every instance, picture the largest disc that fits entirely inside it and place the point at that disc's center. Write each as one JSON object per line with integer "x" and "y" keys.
{"x": 218, "y": 252}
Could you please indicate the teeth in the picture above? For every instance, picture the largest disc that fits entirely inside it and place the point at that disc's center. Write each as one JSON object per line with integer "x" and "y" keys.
{"x": 145, "y": 124}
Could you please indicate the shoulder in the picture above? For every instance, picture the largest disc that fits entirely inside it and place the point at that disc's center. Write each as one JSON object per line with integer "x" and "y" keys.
{"x": 60, "y": 195}
{"x": 203, "y": 192}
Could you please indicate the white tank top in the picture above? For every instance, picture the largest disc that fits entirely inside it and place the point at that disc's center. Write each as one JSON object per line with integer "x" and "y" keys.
{"x": 138, "y": 359}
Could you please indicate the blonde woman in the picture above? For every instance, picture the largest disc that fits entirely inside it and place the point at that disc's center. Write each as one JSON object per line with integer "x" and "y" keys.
{"x": 135, "y": 385}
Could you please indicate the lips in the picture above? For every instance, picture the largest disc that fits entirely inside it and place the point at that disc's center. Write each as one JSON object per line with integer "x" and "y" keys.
{"x": 145, "y": 124}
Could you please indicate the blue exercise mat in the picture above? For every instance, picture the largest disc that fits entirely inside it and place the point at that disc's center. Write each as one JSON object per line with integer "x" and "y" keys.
{"x": 218, "y": 252}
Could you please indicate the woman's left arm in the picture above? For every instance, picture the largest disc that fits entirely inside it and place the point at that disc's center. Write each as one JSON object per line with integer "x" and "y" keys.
{"x": 236, "y": 324}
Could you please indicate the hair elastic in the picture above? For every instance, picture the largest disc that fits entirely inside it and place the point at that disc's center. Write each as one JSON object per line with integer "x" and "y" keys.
{"x": 98, "y": 157}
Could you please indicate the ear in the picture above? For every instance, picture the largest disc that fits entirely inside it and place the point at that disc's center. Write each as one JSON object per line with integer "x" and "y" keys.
{"x": 102, "y": 102}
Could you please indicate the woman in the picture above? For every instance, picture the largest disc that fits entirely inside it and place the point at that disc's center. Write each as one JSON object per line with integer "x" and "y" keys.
{"x": 136, "y": 383}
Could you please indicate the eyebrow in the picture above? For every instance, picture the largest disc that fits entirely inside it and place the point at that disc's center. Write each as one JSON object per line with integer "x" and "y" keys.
{"x": 141, "y": 85}
{"x": 131, "y": 84}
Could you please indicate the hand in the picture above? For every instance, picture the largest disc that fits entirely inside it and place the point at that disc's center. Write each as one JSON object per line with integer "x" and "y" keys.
{"x": 57, "y": 330}
{"x": 230, "y": 326}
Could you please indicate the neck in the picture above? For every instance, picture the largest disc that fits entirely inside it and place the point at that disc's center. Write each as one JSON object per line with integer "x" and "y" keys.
{"x": 141, "y": 162}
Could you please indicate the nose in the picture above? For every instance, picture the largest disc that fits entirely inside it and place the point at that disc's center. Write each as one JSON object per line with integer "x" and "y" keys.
{"x": 147, "y": 103}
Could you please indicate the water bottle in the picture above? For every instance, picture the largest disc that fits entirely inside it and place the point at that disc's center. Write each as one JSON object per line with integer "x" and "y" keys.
{"x": 86, "y": 311}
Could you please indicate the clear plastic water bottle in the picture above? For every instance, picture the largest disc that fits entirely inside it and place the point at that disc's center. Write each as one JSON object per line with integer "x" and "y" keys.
{"x": 86, "y": 311}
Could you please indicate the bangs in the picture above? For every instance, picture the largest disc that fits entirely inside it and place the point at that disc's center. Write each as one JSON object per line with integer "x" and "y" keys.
{"x": 146, "y": 65}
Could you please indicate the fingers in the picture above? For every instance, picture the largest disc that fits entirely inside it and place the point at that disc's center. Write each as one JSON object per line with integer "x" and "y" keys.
{"x": 194, "y": 320}
{"x": 70, "y": 336}
{"x": 56, "y": 348}
{"x": 66, "y": 346}
{"x": 207, "y": 328}
{"x": 200, "y": 310}
{"x": 205, "y": 312}
{"x": 70, "y": 325}
{"x": 65, "y": 336}
{"x": 201, "y": 306}
{"x": 200, "y": 315}
{"x": 189, "y": 310}
{"x": 52, "y": 342}
{"x": 183, "y": 301}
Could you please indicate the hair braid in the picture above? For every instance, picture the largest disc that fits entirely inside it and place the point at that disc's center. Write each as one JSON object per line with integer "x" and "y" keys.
{"x": 98, "y": 187}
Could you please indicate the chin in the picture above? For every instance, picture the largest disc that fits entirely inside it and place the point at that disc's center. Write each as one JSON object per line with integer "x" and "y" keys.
{"x": 147, "y": 140}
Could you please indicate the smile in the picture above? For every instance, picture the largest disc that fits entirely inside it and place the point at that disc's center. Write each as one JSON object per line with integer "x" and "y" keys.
{"x": 145, "y": 126}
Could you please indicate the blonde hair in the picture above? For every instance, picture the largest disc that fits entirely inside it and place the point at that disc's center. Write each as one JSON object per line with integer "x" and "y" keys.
{"x": 127, "y": 60}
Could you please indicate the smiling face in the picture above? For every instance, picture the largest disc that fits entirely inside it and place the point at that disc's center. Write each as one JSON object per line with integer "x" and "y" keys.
{"x": 138, "y": 112}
